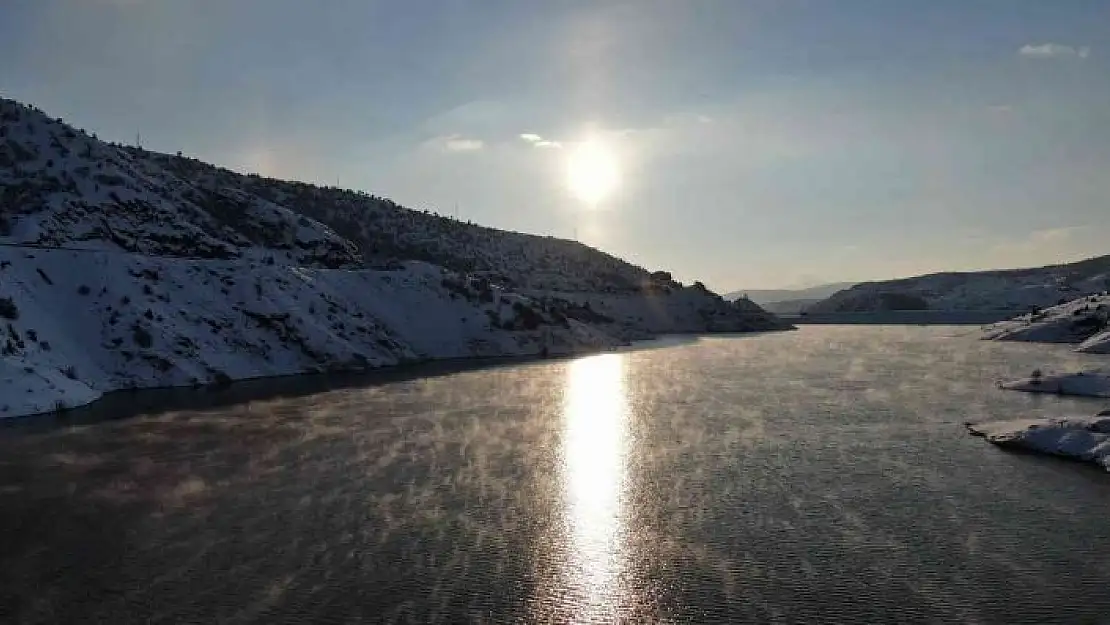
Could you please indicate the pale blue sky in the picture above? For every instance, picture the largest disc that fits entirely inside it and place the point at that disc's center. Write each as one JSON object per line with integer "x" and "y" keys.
{"x": 761, "y": 143}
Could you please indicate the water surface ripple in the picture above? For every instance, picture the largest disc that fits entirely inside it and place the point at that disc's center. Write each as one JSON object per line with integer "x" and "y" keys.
{"x": 815, "y": 476}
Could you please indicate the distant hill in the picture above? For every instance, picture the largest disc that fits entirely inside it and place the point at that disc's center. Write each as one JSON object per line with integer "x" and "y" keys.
{"x": 765, "y": 297}
{"x": 790, "y": 306}
{"x": 1018, "y": 290}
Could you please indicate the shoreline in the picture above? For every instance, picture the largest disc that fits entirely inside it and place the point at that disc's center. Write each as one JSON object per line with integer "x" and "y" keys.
{"x": 239, "y": 390}
{"x": 1076, "y": 439}
{"x": 129, "y": 403}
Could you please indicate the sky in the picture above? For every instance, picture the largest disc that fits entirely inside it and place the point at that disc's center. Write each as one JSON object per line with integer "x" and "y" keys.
{"x": 744, "y": 143}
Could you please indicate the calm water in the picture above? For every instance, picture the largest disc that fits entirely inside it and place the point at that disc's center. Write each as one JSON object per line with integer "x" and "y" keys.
{"x": 815, "y": 476}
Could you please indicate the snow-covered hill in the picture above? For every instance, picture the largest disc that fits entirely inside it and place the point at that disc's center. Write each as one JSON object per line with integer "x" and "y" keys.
{"x": 1085, "y": 320}
{"x": 1018, "y": 290}
{"x": 680, "y": 310}
{"x": 122, "y": 268}
{"x": 76, "y": 324}
{"x": 385, "y": 231}
{"x": 61, "y": 187}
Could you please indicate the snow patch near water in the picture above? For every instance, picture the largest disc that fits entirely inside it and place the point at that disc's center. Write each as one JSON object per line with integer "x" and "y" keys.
{"x": 1084, "y": 321}
{"x": 1094, "y": 383}
{"x": 1085, "y": 439}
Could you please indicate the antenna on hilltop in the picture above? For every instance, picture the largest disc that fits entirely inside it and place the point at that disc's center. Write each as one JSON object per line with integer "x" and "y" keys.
{"x": 456, "y": 210}
{"x": 139, "y": 140}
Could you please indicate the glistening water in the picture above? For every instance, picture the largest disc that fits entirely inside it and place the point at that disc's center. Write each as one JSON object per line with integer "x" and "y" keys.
{"x": 822, "y": 475}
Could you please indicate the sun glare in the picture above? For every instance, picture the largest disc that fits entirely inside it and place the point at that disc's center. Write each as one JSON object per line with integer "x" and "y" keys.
{"x": 592, "y": 172}
{"x": 595, "y": 444}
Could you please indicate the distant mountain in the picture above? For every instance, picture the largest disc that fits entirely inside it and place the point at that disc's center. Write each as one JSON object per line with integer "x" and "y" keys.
{"x": 124, "y": 268}
{"x": 1017, "y": 290}
{"x": 790, "y": 306}
{"x": 764, "y": 297}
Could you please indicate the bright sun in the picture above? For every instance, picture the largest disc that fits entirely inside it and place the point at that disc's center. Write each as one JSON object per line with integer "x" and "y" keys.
{"x": 592, "y": 172}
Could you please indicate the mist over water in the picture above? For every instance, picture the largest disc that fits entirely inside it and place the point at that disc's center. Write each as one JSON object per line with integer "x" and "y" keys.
{"x": 819, "y": 475}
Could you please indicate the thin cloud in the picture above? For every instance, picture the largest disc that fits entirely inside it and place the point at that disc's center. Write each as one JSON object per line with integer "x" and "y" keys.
{"x": 456, "y": 143}
{"x": 1054, "y": 51}
{"x": 539, "y": 142}
{"x": 1054, "y": 235}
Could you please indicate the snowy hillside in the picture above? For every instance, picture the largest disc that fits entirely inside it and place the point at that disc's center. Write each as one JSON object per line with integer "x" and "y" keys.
{"x": 122, "y": 268}
{"x": 1015, "y": 289}
{"x": 60, "y": 187}
{"x": 669, "y": 311}
{"x": 1085, "y": 320}
{"x": 385, "y": 231}
{"x": 74, "y": 325}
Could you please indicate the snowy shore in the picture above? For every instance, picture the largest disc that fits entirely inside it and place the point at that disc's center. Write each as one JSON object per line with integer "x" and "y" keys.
{"x": 1084, "y": 321}
{"x": 75, "y": 325}
{"x": 1083, "y": 439}
{"x": 1094, "y": 383}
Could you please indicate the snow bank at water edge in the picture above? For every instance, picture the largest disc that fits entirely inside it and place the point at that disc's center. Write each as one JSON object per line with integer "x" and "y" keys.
{"x": 1095, "y": 383}
{"x": 1085, "y": 320}
{"x": 77, "y": 324}
{"x": 1097, "y": 344}
{"x": 1086, "y": 439}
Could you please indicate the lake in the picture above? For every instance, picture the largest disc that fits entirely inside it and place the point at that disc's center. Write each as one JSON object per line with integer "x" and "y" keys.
{"x": 822, "y": 475}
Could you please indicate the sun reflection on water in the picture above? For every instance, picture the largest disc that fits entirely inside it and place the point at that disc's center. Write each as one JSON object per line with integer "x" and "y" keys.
{"x": 595, "y": 416}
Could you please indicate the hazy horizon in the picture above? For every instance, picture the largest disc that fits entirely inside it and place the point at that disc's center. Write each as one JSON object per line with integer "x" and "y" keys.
{"x": 755, "y": 144}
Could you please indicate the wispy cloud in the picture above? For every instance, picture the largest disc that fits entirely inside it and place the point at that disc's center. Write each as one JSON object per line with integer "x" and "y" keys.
{"x": 457, "y": 143}
{"x": 1054, "y": 235}
{"x": 540, "y": 142}
{"x": 1054, "y": 51}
